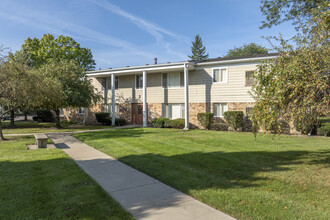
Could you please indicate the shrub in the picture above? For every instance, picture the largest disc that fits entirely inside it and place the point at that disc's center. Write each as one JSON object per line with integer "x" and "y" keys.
{"x": 45, "y": 116}
{"x": 35, "y": 118}
{"x": 168, "y": 124}
{"x": 307, "y": 125}
{"x": 159, "y": 122}
{"x": 178, "y": 123}
{"x": 219, "y": 127}
{"x": 205, "y": 119}
{"x": 322, "y": 120}
{"x": 324, "y": 129}
{"x": 120, "y": 121}
{"x": 102, "y": 117}
{"x": 234, "y": 119}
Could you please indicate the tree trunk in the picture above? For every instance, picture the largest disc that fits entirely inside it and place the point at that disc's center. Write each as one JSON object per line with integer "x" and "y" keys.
{"x": 12, "y": 118}
{"x": 25, "y": 115}
{"x": 1, "y": 134}
{"x": 58, "y": 122}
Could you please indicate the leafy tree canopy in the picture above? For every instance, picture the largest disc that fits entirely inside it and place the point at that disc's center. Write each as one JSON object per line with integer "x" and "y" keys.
{"x": 295, "y": 87}
{"x": 247, "y": 49}
{"x": 279, "y": 11}
{"x": 76, "y": 89}
{"x": 48, "y": 48}
{"x": 22, "y": 88}
{"x": 198, "y": 50}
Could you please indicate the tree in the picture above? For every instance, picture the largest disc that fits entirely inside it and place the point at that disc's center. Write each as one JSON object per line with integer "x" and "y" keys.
{"x": 21, "y": 88}
{"x": 75, "y": 89}
{"x": 62, "y": 60}
{"x": 198, "y": 50}
{"x": 296, "y": 85}
{"x": 279, "y": 11}
{"x": 48, "y": 48}
{"x": 247, "y": 49}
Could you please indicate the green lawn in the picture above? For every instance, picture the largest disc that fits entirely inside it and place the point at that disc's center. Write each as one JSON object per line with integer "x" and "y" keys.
{"x": 24, "y": 127}
{"x": 47, "y": 184}
{"x": 284, "y": 178}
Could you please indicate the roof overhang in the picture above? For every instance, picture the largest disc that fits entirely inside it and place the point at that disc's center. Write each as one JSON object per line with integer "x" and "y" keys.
{"x": 156, "y": 68}
{"x": 244, "y": 60}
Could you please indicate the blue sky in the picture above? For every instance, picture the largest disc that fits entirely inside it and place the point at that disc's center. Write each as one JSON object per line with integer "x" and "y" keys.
{"x": 132, "y": 32}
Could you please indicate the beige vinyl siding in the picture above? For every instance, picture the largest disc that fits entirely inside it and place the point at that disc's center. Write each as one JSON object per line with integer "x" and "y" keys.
{"x": 201, "y": 87}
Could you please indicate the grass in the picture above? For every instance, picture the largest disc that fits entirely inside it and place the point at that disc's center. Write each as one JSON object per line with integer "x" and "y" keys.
{"x": 284, "y": 178}
{"x": 25, "y": 127}
{"x": 46, "y": 184}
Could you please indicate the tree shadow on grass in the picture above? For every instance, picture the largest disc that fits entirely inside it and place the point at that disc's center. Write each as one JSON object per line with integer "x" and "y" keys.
{"x": 223, "y": 170}
{"x": 115, "y": 133}
{"x": 52, "y": 189}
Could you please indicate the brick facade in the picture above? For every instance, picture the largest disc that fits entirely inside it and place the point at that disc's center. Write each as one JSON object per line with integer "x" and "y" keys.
{"x": 155, "y": 111}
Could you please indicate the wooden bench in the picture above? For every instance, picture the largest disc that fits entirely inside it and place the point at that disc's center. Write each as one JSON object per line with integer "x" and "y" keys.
{"x": 41, "y": 140}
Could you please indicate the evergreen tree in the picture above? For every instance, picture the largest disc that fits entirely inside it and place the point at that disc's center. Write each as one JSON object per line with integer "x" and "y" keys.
{"x": 198, "y": 50}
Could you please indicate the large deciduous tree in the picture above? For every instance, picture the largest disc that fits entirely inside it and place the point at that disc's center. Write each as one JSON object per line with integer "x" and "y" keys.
{"x": 62, "y": 59}
{"x": 21, "y": 88}
{"x": 48, "y": 48}
{"x": 76, "y": 89}
{"x": 198, "y": 50}
{"x": 295, "y": 87}
{"x": 279, "y": 11}
{"x": 247, "y": 49}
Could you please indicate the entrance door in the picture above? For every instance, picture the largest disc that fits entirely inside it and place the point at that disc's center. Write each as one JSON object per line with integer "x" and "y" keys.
{"x": 137, "y": 113}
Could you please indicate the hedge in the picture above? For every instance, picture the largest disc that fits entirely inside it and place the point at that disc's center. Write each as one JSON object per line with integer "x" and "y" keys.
{"x": 104, "y": 118}
{"x": 205, "y": 119}
{"x": 159, "y": 122}
{"x": 175, "y": 123}
{"x": 219, "y": 127}
{"x": 234, "y": 119}
{"x": 324, "y": 129}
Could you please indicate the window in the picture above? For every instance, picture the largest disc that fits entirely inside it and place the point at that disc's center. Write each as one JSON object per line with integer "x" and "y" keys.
{"x": 106, "y": 84}
{"x": 173, "y": 80}
{"x": 103, "y": 84}
{"x": 248, "y": 110}
{"x": 249, "y": 80}
{"x": 139, "y": 81}
{"x": 219, "y": 109}
{"x": 81, "y": 111}
{"x": 173, "y": 111}
{"x": 116, "y": 82}
{"x": 108, "y": 108}
{"x": 220, "y": 75}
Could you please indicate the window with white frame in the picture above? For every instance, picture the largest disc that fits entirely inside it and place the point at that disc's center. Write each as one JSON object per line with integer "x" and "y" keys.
{"x": 81, "y": 111}
{"x": 220, "y": 75}
{"x": 106, "y": 83}
{"x": 108, "y": 108}
{"x": 139, "y": 81}
{"x": 173, "y": 111}
{"x": 173, "y": 80}
{"x": 219, "y": 109}
{"x": 249, "y": 79}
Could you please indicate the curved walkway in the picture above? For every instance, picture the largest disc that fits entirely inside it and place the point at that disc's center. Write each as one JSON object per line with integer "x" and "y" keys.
{"x": 143, "y": 196}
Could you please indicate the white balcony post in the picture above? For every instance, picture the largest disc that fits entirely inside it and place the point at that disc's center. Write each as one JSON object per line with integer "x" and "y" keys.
{"x": 113, "y": 104}
{"x": 145, "y": 99}
{"x": 186, "y": 96}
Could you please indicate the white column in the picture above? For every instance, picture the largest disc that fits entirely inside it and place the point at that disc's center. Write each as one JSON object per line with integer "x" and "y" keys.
{"x": 145, "y": 99}
{"x": 186, "y": 96}
{"x": 113, "y": 101}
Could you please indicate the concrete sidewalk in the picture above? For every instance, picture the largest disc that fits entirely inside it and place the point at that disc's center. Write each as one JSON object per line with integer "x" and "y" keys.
{"x": 143, "y": 196}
